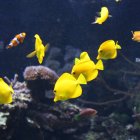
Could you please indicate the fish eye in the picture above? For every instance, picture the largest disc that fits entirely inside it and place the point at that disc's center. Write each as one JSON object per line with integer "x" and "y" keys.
{"x": 101, "y": 51}
{"x": 54, "y": 91}
{"x": 73, "y": 73}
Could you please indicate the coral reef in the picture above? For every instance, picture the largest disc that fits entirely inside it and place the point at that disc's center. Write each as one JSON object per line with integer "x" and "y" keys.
{"x": 34, "y": 115}
{"x": 27, "y": 118}
{"x": 39, "y": 72}
{"x": 39, "y": 80}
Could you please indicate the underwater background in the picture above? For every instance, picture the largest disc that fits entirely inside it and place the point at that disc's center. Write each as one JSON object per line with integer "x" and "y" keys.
{"x": 66, "y": 26}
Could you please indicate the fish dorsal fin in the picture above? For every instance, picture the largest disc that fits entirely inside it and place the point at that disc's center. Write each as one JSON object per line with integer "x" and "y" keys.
{"x": 32, "y": 54}
{"x": 118, "y": 46}
{"x": 84, "y": 56}
{"x": 99, "y": 65}
{"x": 108, "y": 42}
{"x": 47, "y": 47}
{"x": 38, "y": 38}
{"x": 38, "y": 42}
{"x": 81, "y": 79}
{"x": 107, "y": 45}
{"x": 76, "y": 61}
{"x": 66, "y": 76}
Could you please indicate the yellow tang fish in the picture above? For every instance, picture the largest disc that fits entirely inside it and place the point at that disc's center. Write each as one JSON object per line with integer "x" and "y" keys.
{"x": 136, "y": 36}
{"x": 67, "y": 87}
{"x": 104, "y": 14}
{"x": 108, "y": 50}
{"x": 6, "y": 92}
{"x": 40, "y": 49}
{"x": 87, "y": 67}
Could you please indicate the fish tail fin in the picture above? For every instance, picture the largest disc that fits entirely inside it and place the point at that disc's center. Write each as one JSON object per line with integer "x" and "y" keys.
{"x": 81, "y": 79}
{"x": 99, "y": 65}
{"x": 132, "y": 34}
{"x": 95, "y": 22}
{"x": 118, "y": 46}
{"x": 9, "y": 46}
{"x": 47, "y": 47}
{"x": 32, "y": 54}
{"x": 109, "y": 16}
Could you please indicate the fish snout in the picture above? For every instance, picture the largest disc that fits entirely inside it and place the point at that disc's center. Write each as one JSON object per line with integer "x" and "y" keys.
{"x": 73, "y": 72}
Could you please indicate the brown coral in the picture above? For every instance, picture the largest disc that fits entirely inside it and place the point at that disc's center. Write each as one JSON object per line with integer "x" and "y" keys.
{"x": 40, "y": 80}
{"x": 39, "y": 72}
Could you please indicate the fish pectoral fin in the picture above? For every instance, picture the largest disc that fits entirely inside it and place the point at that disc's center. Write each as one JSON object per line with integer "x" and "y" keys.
{"x": 32, "y": 54}
{"x": 99, "y": 65}
{"x": 76, "y": 61}
{"x": 8, "y": 47}
{"x": 91, "y": 75}
{"x": 81, "y": 79}
{"x": 77, "y": 93}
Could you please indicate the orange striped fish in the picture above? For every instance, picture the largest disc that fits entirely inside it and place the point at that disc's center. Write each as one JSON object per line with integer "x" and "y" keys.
{"x": 19, "y": 38}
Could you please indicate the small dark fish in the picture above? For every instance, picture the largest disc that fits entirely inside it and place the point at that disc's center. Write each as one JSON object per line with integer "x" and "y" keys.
{"x": 87, "y": 112}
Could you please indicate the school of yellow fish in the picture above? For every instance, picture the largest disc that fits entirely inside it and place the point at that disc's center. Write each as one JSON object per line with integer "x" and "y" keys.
{"x": 84, "y": 70}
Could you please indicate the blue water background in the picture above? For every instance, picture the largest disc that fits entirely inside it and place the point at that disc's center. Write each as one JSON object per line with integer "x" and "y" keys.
{"x": 64, "y": 22}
